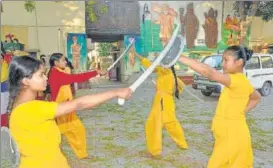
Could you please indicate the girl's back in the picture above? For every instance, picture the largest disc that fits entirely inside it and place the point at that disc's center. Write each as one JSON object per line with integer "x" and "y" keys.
{"x": 38, "y": 137}
{"x": 165, "y": 81}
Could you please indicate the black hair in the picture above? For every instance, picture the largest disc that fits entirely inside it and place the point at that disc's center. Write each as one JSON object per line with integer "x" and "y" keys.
{"x": 176, "y": 83}
{"x": 69, "y": 64}
{"x": 54, "y": 57}
{"x": 42, "y": 58}
{"x": 20, "y": 68}
{"x": 240, "y": 52}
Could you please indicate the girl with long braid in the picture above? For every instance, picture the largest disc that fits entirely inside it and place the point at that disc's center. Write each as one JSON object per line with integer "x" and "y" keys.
{"x": 163, "y": 109}
{"x": 32, "y": 122}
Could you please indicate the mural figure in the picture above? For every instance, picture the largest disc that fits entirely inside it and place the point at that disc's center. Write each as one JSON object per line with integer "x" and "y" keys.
{"x": 211, "y": 28}
{"x": 228, "y": 22}
{"x": 192, "y": 26}
{"x": 8, "y": 44}
{"x": 12, "y": 46}
{"x": 132, "y": 56}
{"x": 146, "y": 13}
{"x": 76, "y": 52}
{"x": 232, "y": 25}
{"x": 165, "y": 20}
{"x": 17, "y": 45}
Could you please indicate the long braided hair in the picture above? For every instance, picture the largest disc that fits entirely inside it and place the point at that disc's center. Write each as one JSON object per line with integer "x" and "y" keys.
{"x": 176, "y": 83}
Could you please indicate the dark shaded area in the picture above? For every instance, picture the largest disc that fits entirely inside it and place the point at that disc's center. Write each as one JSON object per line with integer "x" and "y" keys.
{"x": 121, "y": 19}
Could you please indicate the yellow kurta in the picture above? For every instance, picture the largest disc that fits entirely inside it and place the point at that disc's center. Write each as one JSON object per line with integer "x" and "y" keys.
{"x": 232, "y": 148}
{"x": 70, "y": 125}
{"x": 34, "y": 129}
{"x": 163, "y": 111}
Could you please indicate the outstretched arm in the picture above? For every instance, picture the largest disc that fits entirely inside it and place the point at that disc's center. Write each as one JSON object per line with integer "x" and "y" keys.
{"x": 146, "y": 63}
{"x": 90, "y": 101}
{"x": 62, "y": 78}
{"x": 65, "y": 78}
{"x": 206, "y": 71}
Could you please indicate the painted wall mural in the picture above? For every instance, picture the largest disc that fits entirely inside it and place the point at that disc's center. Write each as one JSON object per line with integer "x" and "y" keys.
{"x": 165, "y": 20}
{"x": 14, "y": 39}
{"x": 159, "y": 20}
{"x": 132, "y": 64}
{"x": 211, "y": 28}
{"x": 203, "y": 24}
{"x": 76, "y": 50}
{"x": 231, "y": 31}
{"x": 190, "y": 25}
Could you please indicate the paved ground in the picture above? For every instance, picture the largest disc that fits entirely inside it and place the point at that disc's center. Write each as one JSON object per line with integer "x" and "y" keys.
{"x": 116, "y": 134}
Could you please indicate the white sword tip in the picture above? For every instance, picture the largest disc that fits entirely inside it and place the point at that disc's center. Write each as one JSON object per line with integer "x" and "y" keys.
{"x": 121, "y": 102}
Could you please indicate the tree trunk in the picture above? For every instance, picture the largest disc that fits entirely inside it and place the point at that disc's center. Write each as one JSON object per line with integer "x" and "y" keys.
{"x": 1, "y": 7}
{"x": 246, "y": 20}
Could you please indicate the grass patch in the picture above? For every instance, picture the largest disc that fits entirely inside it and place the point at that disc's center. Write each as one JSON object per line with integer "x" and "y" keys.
{"x": 107, "y": 138}
{"x": 195, "y": 121}
{"x": 259, "y": 144}
{"x": 116, "y": 149}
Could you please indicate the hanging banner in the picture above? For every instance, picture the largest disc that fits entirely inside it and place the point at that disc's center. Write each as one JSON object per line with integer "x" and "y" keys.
{"x": 77, "y": 50}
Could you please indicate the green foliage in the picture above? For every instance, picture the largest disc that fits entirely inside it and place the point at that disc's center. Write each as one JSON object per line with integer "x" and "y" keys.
{"x": 194, "y": 56}
{"x": 104, "y": 49}
{"x": 29, "y": 6}
{"x": 103, "y": 9}
{"x": 90, "y": 10}
{"x": 264, "y": 9}
{"x": 92, "y": 16}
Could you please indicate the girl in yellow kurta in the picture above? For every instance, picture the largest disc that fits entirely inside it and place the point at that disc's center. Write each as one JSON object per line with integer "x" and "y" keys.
{"x": 32, "y": 122}
{"x": 163, "y": 110}
{"x": 232, "y": 148}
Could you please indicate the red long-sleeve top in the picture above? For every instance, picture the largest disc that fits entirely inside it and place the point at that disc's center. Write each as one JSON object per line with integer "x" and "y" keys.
{"x": 56, "y": 79}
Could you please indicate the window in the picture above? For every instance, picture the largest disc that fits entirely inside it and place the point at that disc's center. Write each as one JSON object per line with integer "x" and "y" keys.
{"x": 267, "y": 62}
{"x": 253, "y": 63}
{"x": 270, "y": 49}
{"x": 214, "y": 61}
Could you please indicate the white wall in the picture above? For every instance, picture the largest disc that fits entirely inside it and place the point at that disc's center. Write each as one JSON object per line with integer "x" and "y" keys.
{"x": 54, "y": 21}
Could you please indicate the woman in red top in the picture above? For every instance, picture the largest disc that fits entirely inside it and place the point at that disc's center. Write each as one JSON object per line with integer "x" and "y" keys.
{"x": 59, "y": 80}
